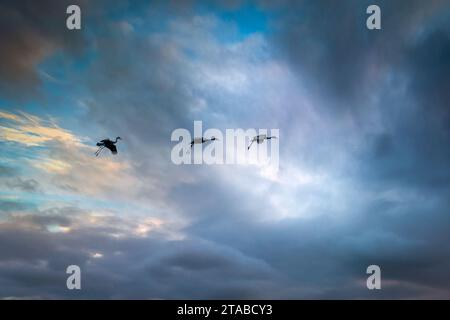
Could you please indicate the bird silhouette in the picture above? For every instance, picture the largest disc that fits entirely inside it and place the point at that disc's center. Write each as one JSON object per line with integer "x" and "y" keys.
{"x": 260, "y": 139}
{"x": 109, "y": 144}
{"x": 201, "y": 140}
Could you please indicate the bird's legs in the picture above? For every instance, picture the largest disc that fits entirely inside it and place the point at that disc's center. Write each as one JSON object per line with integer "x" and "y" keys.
{"x": 98, "y": 151}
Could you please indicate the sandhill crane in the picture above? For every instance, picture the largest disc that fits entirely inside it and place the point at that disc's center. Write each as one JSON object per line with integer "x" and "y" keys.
{"x": 260, "y": 139}
{"x": 201, "y": 140}
{"x": 111, "y": 145}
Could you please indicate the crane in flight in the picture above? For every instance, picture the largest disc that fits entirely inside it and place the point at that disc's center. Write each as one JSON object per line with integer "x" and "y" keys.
{"x": 260, "y": 139}
{"x": 109, "y": 144}
{"x": 201, "y": 140}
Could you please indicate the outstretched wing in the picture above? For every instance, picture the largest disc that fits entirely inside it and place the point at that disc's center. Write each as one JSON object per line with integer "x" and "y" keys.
{"x": 101, "y": 143}
{"x": 113, "y": 149}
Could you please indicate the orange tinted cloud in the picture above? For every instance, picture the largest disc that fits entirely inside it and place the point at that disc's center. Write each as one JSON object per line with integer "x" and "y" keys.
{"x": 31, "y": 131}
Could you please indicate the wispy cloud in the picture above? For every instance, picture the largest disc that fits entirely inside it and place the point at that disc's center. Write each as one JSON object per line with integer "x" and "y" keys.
{"x": 29, "y": 130}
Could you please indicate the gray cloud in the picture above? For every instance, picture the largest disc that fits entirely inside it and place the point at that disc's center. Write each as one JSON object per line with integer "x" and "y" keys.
{"x": 293, "y": 258}
{"x": 188, "y": 268}
{"x": 10, "y": 179}
{"x": 337, "y": 56}
{"x": 7, "y": 171}
{"x": 29, "y": 185}
{"x": 385, "y": 90}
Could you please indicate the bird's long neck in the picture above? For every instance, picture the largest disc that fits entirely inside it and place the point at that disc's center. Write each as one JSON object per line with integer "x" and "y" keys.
{"x": 116, "y": 140}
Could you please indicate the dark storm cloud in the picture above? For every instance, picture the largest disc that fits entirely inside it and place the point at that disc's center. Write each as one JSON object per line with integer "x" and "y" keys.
{"x": 33, "y": 263}
{"x": 31, "y": 31}
{"x": 427, "y": 64}
{"x": 411, "y": 149}
{"x": 404, "y": 67}
{"x": 325, "y": 253}
{"x": 331, "y": 250}
{"x": 328, "y": 43}
{"x": 292, "y": 259}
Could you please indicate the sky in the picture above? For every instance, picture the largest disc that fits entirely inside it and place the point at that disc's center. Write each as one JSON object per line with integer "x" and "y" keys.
{"x": 364, "y": 134}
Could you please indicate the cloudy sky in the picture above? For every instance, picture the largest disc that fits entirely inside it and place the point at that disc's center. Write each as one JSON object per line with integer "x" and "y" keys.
{"x": 364, "y": 176}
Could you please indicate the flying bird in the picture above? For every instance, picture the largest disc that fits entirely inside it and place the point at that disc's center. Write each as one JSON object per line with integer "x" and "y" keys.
{"x": 109, "y": 144}
{"x": 260, "y": 139}
{"x": 201, "y": 140}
